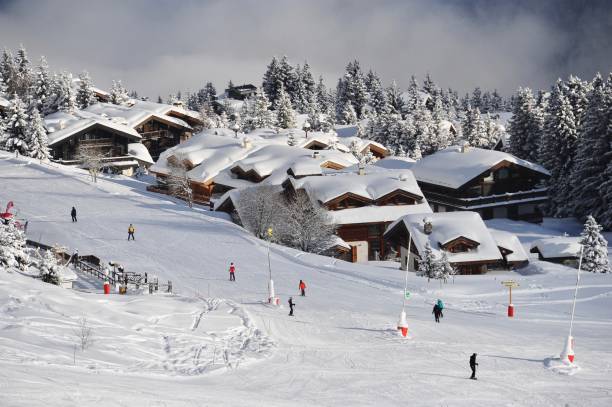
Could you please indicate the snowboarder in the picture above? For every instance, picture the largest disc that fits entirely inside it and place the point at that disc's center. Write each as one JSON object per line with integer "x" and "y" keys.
{"x": 302, "y": 287}
{"x": 232, "y": 271}
{"x": 73, "y": 214}
{"x": 473, "y": 365}
{"x": 291, "y": 305}
{"x": 131, "y": 231}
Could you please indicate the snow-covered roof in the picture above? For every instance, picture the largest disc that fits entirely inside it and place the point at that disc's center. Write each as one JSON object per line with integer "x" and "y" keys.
{"x": 395, "y": 163}
{"x": 62, "y": 125}
{"x": 369, "y": 186}
{"x": 452, "y": 168}
{"x": 448, "y": 226}
{"x": 509, "y": 241}
{"x": 556, "y": 247}
{"x": 277, "y": 159}
{"x": 140, "y": 152}
{"x": 207, "y": 152}
{"x": 376, "y": 214}
{"x": 140, "y": 112}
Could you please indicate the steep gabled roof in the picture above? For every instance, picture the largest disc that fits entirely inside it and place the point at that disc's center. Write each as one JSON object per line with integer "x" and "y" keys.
{"x": 452, "y": 168}
{"x": 557, "y": 247}
{"x": 447, "y": 226}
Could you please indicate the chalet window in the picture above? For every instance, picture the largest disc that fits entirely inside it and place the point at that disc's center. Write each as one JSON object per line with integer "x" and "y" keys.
{"x": 373, "y": 230}
{"x": 503, "y": 173}
{"x": 526, "y": 209}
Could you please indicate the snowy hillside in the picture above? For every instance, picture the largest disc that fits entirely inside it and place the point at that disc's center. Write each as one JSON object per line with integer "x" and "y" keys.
{"x": 215, "y": 343}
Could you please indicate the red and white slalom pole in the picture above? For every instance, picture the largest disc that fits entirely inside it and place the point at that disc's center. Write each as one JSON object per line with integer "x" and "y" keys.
{"x": 402, "y": 325}
{"x": 567, "y": 355}
{"x": 106, "y": 287}
{"x": 272, "y": 298}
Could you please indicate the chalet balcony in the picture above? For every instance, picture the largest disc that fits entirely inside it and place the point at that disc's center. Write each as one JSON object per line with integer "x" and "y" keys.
{"x": 156, "y": 135}
{"x": 97, "y": 143}
{"x": 483, "y": 201}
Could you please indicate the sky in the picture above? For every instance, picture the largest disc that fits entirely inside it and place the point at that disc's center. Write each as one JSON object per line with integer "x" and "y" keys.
{"x": 159, "y": 47}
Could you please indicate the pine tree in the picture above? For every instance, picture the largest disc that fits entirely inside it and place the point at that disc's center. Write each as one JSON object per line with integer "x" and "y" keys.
{"x": 347, "y": 114}
{"x": 12, "y": 247}
{"x": 300, "y": 98}
{"x": 496, "y": 102}
{"x": 595, "y": 248}
{"x": 314, "y": 117}
{"x": 557, "y": 150}
{"x": 605, "y": 191}
{"x": 525, "y": 127}
{"x": 428, "y": 264}
{"x": 9, "y": 71}
{"x": 210, "y": 93}
{"x": 378, "y": 99}
{"x": 260, "y": 116}
{"x": 323, "y": 98}
{"x": 16, "y": 138}
{"x": 85, "y": 95}
{"x": 355, "y": 89}
{"x": 37, "y": 135}
{"x": 42, "y": 86}
{"x": 66, "y": 99}
{"x": 23, "y": 73}
{"x": 492, "y": 132}
{"x": 310, "y": 86}
{"x": 394, "y": 99}
{"x": 159, "y": 99}
{"x": 592, "y": 145}
{"x": 3, "y": 133}
{"x": 119, "y": 95}
{"x": 429, "y": 85}
{"x": 476, "y": 100}
{"x": 285, "y": 116}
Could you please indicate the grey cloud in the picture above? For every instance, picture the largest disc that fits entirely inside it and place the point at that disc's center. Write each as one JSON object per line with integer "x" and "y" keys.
{"x": 158, "y": 47}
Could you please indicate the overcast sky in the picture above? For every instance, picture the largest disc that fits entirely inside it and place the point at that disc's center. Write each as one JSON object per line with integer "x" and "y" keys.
{"x": 157, "y": 47}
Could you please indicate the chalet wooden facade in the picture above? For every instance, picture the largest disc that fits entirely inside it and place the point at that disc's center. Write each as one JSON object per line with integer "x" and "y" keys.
{"x": 492, "y": 183}
{"x": 111, "y": 141}
{"x": 159, "y": 134}
{"x": 241, "y": 92}
{"x": 463, "y": 236}
{"x": 361, "y": 217}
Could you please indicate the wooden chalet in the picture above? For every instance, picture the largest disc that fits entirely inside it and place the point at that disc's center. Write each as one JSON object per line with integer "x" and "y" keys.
{"x": 362, "y": 206}
{"x": 492, "y": 183}
{"x": 463, "y": 236}
{"x": 105, "y": 137}
{"x": 160, "y": 133}
{"x": 561, "y": 250}
{"x": 241, "y": 92}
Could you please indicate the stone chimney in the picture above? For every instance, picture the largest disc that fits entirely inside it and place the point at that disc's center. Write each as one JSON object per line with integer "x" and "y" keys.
{"x": 427, "y": 226}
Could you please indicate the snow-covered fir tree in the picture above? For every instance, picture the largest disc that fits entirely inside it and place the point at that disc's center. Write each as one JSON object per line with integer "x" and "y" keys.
{"x": 557, "y": 150}
{"x": 37, "y": 136}
{"x": 118, "y": 94}
{"x": 492, "y": 132}
{"x": 595, "y": 248}
{"x": 429, "y": 85}
{"x": 323, "y": 99}
{"x": 16, "y": 138}
{"x": 310, "y": 86}
{"x": 476, "y": 100}
{"x": 3, "y": 133}
{"x": 605, "y": 191}
{"x": 85, "y": 95}
{"x": 592, "y": 147}
{"x": 285, "y": 116}
{"x": 314, "y": 117}
{"x": 428, "y": 264}
{"x": 346, "y": 114}
{"x": 496, "y": 102}
{"x": 378, "y": 98}
{"x": 394, "y": 99}
{"x": 23, "y": 75}
{"x": 353, "y": 89}
{"x": 260, "y": 117}
{"x": 49, "y": 268}
{"x": 525, "y": 126}
{"x": 12, "y": 247}
{"x": 42, "y": 85}
{"x": 66, "y": 98}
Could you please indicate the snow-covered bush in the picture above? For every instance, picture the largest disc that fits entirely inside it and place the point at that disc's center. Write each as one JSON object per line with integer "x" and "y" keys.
{"x": 12, "y": 247}
{"x": 431, "y": 266}
{"x": 49, "y": 268}
{"x": 595, "y": 248}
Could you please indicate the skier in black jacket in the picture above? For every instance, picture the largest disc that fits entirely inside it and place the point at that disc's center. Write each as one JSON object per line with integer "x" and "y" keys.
{"x": 291, "y": 305}
{"x": 73, "y": 214}
{"x": 473, "y": 365}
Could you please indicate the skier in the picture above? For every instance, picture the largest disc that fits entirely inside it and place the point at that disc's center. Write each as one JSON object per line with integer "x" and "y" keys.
{"x": 437, "y": 311}
{"x": 302, "y": 287}
{"x": 473, "y": 365}
{"x": 232, "y": 270}
{"x": 440, "y": 304}
{"x": 291, "y": 305}
{"x": 73, "y": 214}
{"x": 131, "y": 231}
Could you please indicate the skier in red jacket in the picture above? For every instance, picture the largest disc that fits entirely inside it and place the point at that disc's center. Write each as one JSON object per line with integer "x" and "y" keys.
{"x": 302, "y": 287}
{"x": 232, "y": 270}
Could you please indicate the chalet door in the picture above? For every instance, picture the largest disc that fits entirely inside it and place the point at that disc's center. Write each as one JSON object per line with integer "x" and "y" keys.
{"x": 360, "y": 250}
